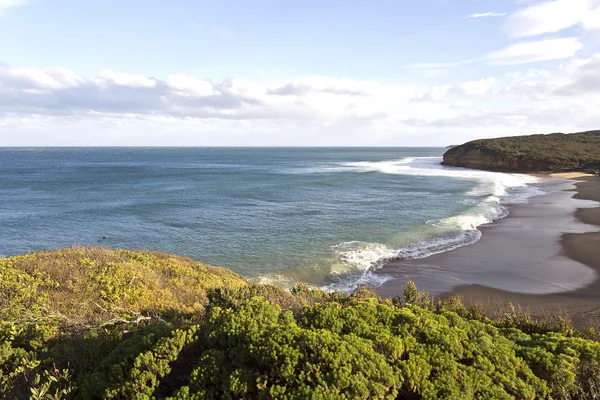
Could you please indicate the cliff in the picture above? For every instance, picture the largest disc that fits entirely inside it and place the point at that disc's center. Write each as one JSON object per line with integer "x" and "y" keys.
{"x": 554, "y": 152}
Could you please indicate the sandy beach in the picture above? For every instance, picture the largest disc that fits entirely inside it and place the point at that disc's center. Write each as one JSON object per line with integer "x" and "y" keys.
{"x": 545, "y": 257}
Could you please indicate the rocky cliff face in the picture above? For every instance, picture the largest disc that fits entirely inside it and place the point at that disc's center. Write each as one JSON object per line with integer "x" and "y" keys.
{"x": 471, "y": 156}
{"x": 554, "y": 152}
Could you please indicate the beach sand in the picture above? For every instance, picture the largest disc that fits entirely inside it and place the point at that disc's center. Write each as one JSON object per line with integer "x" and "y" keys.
{"x": 544, "y": 257}
{"x": 570, "y": 175}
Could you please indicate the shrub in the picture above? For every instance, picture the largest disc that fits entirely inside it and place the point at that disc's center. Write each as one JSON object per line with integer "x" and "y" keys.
{"x": 253, "y": 341}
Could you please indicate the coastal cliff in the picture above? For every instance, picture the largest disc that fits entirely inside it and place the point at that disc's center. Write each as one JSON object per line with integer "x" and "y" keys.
{"x": 553, "y": 152}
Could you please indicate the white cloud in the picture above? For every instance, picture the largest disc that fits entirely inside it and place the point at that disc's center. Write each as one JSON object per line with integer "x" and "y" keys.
{"x": 33, "y": 79}
{"x": 122, "y": 108}
{"x": 477, "y": 88}
{"x": 7, "y": 4}
{"x": 591, "y": 20}
{"x": 438, "y": 65}
{"x": 575, "y": 82}
{"x": 537, "y": 19}
{"x": 487, "y": 15}
{"x": 62, "y": 92}
{"x": 12, "y": 3}
{"x": 315, "y": 83}
{"x": 189, "y": 86}
{"x": 552, "y": 16}
{"x": 437, "y": 69}
{"x": 576, "y": 78}
{"x": 519, "y": 53}
{"x": 109, "y": 77}
{"x": 542, "y": 50}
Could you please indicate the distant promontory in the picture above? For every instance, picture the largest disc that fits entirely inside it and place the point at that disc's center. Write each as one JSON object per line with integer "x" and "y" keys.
{"x": 534, "y": 153}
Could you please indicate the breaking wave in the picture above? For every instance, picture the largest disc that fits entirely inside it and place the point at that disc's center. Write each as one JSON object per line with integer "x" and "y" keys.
{"x": 355, "y": 261}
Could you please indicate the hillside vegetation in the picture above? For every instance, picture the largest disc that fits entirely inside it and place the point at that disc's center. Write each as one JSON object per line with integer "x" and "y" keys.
{"x": 95, "y": 323}
{"x": 554, "y": 152}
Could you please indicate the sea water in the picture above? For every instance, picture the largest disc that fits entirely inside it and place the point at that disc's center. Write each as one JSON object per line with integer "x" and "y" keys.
{"x": 325, "y": 216}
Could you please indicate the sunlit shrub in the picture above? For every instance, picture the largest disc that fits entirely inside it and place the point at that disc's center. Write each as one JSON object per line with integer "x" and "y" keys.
{"x": 247, "y": 341}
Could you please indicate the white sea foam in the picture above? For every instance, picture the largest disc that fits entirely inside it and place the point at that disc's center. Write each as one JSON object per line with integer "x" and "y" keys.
{"x": 352, "y": 282}
{"x": 499, "y": 188}
{"x": 275, "y": 279}
{"x": 362, "y": 255}
{"x": 356, "y": 261}
{"x": 488, "y": 183}
{"x": 431, "y": 166}
{"x": 492, "y": 190}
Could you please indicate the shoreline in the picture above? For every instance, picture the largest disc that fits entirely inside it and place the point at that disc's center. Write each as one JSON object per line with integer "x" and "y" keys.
{"x": 551, "y": 240}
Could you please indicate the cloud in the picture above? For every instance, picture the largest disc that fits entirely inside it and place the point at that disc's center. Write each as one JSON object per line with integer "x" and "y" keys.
{"x": 529, "y": 52}
{"x": 6, "y": 4}
{"x": 553, "y": 16}
{"x": 537, "y": 19}
{"x": 315, "y": 84}
{"x": 111, "y": 78}
{"x": 531, "y": 120}
{"x": 519, "y": 53}
{"x": 59, "y": 91}
{"x": 591, "y": 20}
{"x": 38, "y": 80}
{"x": 62, "y": 92}
{"x": 437, "y": 69}
{"x": 108, "y": 105}
{"x": 188, "y": 86}
{"x": 438, "y": 65}
{"x": 12, "y": 3}
{"x": 568, "y": 97}
{"x": 487, "y": 15}
{"x": 577, "y": 78}
{"x": 476, "y": 88}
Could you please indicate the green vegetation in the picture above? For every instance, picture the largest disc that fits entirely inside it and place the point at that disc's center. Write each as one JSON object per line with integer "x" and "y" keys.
{"x": 87, "y": 286}
{"x": 554, "y": 152}
{"x": 76, "y": 324}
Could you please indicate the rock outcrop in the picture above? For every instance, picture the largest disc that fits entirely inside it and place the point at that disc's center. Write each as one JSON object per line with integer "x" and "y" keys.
{"x": 554, "y": 152}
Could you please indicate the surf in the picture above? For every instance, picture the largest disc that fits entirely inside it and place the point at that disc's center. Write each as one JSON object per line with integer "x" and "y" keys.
{"x": 355, "y": 261}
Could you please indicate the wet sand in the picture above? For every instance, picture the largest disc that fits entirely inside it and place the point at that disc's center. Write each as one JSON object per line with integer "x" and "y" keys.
{"x": 545, "y": 257}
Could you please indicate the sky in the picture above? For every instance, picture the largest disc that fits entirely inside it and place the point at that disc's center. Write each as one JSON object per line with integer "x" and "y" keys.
{"x": 295, "y": 73}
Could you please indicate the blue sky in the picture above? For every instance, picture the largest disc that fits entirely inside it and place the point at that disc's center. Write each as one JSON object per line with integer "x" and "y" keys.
{"x": 401, "y": 72}
{"x": 252, "y": 39}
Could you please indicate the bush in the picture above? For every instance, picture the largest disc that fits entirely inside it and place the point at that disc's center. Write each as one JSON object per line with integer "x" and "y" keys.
{"x": 253, "y": 341}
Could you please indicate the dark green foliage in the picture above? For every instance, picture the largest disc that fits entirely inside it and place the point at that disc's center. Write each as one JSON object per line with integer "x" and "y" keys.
{"x": 554, "y": 152}
{"x": 256, "y": 350}
{"x": 134, "y": 369}
{"x": 355, "y": 347}
{"x": 258, "y": 341}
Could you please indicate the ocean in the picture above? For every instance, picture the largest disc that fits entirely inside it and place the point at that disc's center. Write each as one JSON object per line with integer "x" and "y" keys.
{"x": 325, "y": 216}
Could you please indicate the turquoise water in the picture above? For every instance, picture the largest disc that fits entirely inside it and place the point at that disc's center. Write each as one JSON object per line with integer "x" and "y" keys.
{"x": 327, "y": 216}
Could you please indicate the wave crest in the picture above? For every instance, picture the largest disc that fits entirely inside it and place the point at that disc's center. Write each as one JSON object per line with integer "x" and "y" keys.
{"x": 355, "y": 261}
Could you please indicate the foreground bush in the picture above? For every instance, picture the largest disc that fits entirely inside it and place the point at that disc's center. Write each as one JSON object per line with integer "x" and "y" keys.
{"x": 253, "y": 341}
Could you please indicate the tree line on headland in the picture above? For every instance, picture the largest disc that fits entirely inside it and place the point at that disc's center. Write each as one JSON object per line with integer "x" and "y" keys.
{"x": 556, "y": 152}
